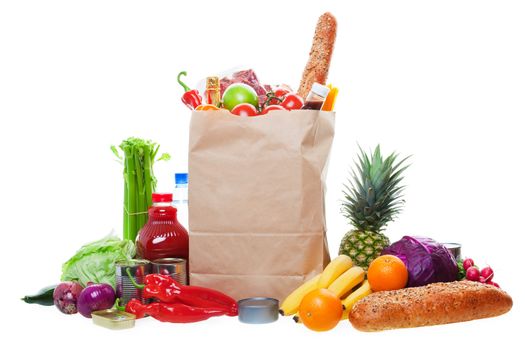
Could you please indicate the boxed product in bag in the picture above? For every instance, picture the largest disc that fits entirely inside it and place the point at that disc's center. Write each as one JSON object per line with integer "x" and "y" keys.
{"x": 256, "y": 200}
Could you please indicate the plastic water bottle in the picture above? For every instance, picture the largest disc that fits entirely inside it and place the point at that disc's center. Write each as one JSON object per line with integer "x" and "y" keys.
{"x": 180, "y": 198}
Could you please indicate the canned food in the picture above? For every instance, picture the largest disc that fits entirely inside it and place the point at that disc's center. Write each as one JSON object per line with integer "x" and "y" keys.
{"x": 138, "y": 269}
{"x": 258, "y": 310}
{"x": 454, "y": 249}
{"x": 174, "y": 267}
{"x": 113, "y": 319}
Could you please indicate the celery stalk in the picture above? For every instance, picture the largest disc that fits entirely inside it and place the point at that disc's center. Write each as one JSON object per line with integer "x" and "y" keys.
{"x": 141, "y": 193}
{"x": 131, "y": 205}
{"x": 139, "y": 182}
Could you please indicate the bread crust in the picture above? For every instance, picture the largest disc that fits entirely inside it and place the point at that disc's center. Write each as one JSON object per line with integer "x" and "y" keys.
{"x": 316, "y": 70}
{"x": 437, "y": 303}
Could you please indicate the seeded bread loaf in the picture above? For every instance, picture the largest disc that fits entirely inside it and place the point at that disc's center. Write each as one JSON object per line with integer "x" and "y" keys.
{"x": 316, "y": 70}
{"x": 437, "y": 303}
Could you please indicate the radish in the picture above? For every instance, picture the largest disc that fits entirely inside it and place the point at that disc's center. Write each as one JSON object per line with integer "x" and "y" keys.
{"x": 487, "y": 274}
{"x": 492, "y": 283}
{"x": 468, "y": 263}
{"x": 473, "y": 274}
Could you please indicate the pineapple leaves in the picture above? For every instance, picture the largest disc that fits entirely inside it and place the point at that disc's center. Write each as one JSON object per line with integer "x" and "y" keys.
{"x": 373, "y": 195}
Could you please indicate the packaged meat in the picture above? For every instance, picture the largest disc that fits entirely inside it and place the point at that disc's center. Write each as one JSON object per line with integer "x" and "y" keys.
{"x": 247, "y": 77}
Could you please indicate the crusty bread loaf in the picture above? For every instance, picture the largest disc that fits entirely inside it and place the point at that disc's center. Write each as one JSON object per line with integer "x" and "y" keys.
{"x": 436, "y": 303}
{"x": 316, "y": 70}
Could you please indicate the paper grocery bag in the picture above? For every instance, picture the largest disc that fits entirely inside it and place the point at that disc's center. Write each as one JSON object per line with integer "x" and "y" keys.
{"x": 256, "y": 200}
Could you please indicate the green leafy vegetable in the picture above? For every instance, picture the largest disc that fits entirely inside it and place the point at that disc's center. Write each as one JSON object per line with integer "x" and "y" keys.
{"x": 139, "y": 181}
{"x": 95, "y": 261}
{"x": 461, "y": 270}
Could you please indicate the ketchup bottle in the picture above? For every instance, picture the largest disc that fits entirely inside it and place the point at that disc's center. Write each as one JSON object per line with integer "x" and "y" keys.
{"x": 162, "y": 236}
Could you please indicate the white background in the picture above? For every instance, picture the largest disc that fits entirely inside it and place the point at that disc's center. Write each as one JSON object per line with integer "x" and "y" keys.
{"x": 441, "y": 80}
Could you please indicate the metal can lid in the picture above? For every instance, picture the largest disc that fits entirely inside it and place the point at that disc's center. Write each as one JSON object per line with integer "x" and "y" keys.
{"x": 258, "y": 310}
{"x": 454, "y": 249}
{"x": 169, "y": 261}
{"x": 132, "y": 262}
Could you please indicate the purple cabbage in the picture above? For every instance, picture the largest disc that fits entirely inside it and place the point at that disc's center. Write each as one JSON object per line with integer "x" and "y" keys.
{"x": 427, "y": 261}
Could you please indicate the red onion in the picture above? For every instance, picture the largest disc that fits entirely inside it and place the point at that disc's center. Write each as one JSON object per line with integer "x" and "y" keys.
{"x": 95, "y": 297}
{"x": 65, "y": 297}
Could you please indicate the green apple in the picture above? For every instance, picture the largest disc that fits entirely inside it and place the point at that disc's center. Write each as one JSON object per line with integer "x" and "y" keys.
{"x": 239, "y": 93}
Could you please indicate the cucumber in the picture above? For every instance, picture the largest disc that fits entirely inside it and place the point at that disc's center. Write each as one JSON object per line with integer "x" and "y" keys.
{"x": 43, "y": 297}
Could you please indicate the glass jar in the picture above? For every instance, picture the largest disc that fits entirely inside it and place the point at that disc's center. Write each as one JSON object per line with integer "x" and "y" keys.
{"x": 162, "y": 236}
{"x": 316, "y": 97}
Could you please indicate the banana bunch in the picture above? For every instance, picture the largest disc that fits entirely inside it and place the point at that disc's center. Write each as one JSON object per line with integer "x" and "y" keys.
{"x": 340, "y": 277}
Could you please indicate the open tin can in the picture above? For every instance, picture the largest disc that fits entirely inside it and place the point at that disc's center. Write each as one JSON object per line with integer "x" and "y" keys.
{"x": 258, "y": 310}
{"x": 454, "y": 249}
{"x": 174, "y": 267}
{"x": 138, "y": 269}
{"x": 113, "y": 319}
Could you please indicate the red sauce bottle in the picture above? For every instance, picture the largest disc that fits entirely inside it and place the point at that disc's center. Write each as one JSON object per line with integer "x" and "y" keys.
{"x": 162, "y": 236}
{"x": 316, "y": 97}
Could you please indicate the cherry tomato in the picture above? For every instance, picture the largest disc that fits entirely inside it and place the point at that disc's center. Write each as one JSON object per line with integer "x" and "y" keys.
{"x": 272, "y": 108}
{"x": 245, "y": 110}
{"x": 292, "y": 101}
{"x": 279, "y": 92}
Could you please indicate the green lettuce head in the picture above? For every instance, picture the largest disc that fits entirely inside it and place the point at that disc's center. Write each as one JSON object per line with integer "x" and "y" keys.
{"x": 95, "y": 262}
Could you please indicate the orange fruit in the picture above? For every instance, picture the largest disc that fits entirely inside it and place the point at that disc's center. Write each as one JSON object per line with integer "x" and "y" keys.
{"x": 320, "y": 310}
{"x": 387, "y": 272}
{"x": 207, "y": 107}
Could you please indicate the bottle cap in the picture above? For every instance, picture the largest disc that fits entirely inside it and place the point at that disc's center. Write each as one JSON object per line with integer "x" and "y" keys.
{"x": 320, "y": 90}
{"x": 162, "y": 197}
{"x": 212, "y": 82}
{"x": 181, "y": 178}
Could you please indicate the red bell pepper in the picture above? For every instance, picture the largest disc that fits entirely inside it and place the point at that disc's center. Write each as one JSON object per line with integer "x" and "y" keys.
{"x": 190, "y": 98}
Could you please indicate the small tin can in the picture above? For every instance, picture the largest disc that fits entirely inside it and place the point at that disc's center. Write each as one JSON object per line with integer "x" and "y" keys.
{"x": 258, "y": 310}
{"x": 176, "y": 268}
{"x": 454, "y": 249}
{"x": 138, "y": 270}
{"x": 113, "y": 319}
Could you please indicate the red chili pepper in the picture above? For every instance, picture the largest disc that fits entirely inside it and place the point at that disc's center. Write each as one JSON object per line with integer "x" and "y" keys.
{"x": 175, "y": 313}
{"x": 136, "y": 308}
{"x": 165, "y": 282}
{"x": 157, "y": 279}
{"x": 167, "y": 290}
{"x": 191, "y": 98}
{"x": 174, "y": 295}
{"x": 180, "y": 313}
{"x": 213, "y": 296}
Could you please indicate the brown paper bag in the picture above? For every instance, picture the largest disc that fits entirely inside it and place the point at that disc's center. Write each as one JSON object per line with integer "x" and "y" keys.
{"x": 256, "y": 200}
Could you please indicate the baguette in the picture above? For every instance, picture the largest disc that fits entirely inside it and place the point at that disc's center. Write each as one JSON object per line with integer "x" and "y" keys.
{"x": 437, "y": 303}
{"x": 316, "y": 70}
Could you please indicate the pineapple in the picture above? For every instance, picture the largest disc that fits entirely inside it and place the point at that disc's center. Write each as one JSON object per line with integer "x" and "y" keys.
{"x": 372, "y": 200}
